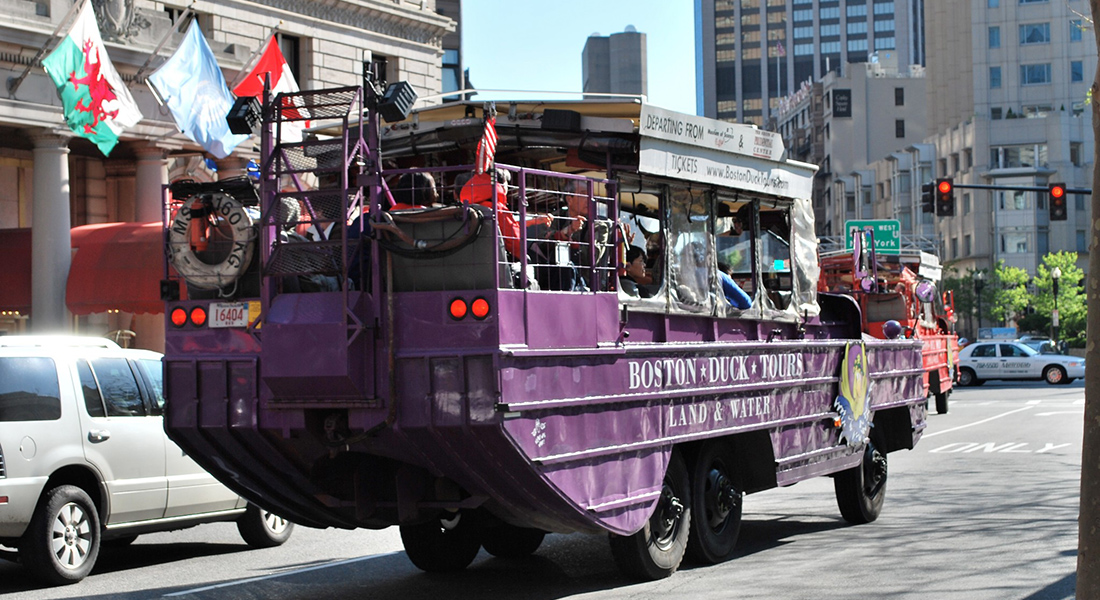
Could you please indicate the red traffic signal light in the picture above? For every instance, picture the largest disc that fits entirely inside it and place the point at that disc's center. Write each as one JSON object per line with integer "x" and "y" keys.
{"x": 945, "y": 197}
{"x": 1057, "y": 199}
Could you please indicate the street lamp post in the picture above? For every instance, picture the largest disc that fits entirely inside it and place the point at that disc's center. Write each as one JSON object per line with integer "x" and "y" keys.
{"x": 1055, "y": 275}
{"x": 979, "y": 284}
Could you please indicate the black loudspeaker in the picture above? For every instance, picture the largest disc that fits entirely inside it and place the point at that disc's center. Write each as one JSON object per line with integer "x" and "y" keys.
{"x": 561, "y": 120}
{"x": 244, "y": 117}
{"x": 397, "y": 102}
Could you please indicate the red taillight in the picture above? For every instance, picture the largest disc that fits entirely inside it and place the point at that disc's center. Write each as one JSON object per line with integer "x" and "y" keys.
{"x": 458, "y": 309}
{"x": 179, "y": 317}
{"x": 479, "y": 308}
{"x": 198, "y": 316}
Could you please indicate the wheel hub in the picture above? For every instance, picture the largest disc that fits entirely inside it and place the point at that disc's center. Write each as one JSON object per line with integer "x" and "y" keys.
{"x": 669, "y": 511}
{"x": 722, "y": 497}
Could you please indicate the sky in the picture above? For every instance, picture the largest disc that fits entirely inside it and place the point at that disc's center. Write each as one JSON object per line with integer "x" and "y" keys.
{"x": 535, "y": 45}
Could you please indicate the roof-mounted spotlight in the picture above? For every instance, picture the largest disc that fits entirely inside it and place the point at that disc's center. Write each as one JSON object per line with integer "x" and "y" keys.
{"x": 244, "y": 117}
{"x": 397, "y": 102}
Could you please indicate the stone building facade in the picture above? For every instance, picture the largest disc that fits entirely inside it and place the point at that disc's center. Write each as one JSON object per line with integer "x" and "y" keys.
{"x": 53, "y": 181}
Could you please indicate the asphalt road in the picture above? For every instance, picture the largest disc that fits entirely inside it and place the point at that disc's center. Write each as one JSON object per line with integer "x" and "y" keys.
{"x": 984, "y": 507}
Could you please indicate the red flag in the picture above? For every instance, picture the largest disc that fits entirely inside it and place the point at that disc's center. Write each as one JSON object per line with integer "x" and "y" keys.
{"x": 273, "y": 64}
{"x": 487, "y": 147}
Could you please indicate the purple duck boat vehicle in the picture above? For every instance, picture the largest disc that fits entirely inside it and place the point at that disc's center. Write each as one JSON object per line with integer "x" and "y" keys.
{"x": 591, "y": 316}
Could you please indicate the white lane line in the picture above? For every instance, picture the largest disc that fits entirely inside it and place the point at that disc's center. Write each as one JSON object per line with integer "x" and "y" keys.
{"x": 281, "y": 574}
{"x": 1079, "y": 401}
{"x": 1062, "y": 412}
{"x": 1034, "y": 401}
{"x": 935, "y": 433}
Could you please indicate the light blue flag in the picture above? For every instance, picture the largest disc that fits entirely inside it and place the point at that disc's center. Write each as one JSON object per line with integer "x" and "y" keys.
{"x": 192, "y": 86}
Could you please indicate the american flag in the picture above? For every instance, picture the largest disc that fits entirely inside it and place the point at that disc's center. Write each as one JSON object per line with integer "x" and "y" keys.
{"x": 487, "y": 147}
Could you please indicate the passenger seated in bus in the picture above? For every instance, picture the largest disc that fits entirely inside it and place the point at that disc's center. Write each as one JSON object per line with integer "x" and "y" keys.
{"x": 692, "y": 275}
{"x": 483, "y": 189}
{"x": 636, "y": 281}
{"x": 578, "y": 224}
{"x": 733, "y": 292}
{"x": 413, "y": 190}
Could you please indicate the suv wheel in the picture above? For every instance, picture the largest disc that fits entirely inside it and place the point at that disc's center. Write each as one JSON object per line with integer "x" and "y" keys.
{"x": 262, "y": 528}
{"x": 62, "y": 541}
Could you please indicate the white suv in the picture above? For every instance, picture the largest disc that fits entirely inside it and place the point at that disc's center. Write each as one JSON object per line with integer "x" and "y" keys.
{"x": 84, "y": 458}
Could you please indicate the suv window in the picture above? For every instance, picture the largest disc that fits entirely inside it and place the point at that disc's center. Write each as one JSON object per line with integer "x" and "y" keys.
{"x": 118, "y": 387}
{"x": 154, "y": 376}
{"x": 29, "y": 390}
{"x": 92, "y": 400}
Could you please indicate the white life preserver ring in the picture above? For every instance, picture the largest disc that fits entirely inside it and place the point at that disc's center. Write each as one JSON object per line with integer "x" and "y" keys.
{"x": 201, "y": 274}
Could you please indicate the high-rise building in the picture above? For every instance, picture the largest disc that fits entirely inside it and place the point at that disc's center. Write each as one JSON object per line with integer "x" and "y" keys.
{"x": 1007, "y": 104}
{"x": 614, "y": 64}
{"x": 752, "y": 53}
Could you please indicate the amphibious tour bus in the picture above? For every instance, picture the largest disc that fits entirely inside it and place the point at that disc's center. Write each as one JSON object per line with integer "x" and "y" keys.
{"x": 485, "y": 323}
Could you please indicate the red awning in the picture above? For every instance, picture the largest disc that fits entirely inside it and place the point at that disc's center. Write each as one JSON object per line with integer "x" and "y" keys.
{"x": 15, "y": 277}
{"x": 116, "y": 266}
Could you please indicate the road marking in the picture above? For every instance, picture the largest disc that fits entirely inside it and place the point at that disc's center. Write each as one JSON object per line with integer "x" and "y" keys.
{"x": 280, "y": 574}
{"x": 935, "y": 433}
{"x": 1080, "y": 401}
{"x": 991, "y": 447}
{"x": 1062, "y": 412}
{"x": 1034, "y": 401}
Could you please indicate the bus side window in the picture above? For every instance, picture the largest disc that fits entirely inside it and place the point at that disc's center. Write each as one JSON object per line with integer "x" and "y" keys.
{"x": 775, "y": 253}
{"x": 692, "y": 276}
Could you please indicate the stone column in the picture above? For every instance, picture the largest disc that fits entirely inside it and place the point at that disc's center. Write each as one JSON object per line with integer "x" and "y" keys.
{"x": 152, "y": 174}
{"x": 51, "y": 245}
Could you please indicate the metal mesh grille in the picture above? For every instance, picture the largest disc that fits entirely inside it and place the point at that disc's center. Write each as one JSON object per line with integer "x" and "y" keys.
{"x": 308, "y": 257}
{"x": 323, "y": 104}
{"x": 327, "y": 155}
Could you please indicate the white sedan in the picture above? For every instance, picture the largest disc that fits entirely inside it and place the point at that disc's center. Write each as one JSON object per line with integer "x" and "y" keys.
{"x": 1012, "y": 360}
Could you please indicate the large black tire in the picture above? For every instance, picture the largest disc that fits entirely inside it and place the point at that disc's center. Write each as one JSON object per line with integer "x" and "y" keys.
{"x": 941, "y": 403}
{"x": 861, "y": 490}
{"x": 1054, "y": 375}
{"x": 656, "y": 551}
{"x": 716, "y": 494}
{"x": 509, "y": 541}
{"x": 61, "y": 543}
{"x": 967, "y": 377}
{"x": 442, "y": 544}
{"x": 263, "y": 529}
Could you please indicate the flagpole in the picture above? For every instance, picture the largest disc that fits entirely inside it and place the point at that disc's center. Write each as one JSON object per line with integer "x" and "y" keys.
{"x": 164, "y": 40}
{"x": 15, "y": 82}
{"x": 248, "y": 63}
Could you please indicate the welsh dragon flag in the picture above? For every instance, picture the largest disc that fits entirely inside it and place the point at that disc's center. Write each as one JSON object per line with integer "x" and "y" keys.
{"x": 96, "y": 102}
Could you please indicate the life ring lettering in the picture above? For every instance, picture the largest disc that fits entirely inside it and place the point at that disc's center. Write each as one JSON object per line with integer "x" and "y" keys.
{"x": 201, "y": 274}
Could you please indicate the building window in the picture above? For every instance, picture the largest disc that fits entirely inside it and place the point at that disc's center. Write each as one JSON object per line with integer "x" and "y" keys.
{"x": 850, "y": 202}
{"x": 1014, "y": 243}
{"x": 290, "y": 46}
{"x": 1033, "y": 1}
{"x": 1076, "y": 26}
{"x": 857, "y": 27}
{"x": 857, "y": 45}
{"x": 1076, "y": 71}
{"x": 452, "y": 73}
{"x": 994, "y": 37}
{"x": 899, "y": 128}
{"x": 1040, "y": 201}
{"x": 993, "y": 3}
{"x": 1075, "y": 153}
{"x": 995, "y": 79}
{"x": 954, "y": 247}
{"x": 967, "y": 249}
{"x": 966, "y": 203}
{"x": 1035, "y": 74}
{"x": 1082, "y": 241}
{"x": 1034, "y": 33}
{"x": 995, "y": 114}
{"x": 1042, "y": 242}
{"x": 857, "y": 10}
{"x": 885, "y": 43}
{"x": 1079, "y": 201}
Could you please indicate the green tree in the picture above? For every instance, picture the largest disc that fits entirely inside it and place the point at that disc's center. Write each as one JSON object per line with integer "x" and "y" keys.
{"x": 1009, "y": 293}
{"x": 1072, "y": 310}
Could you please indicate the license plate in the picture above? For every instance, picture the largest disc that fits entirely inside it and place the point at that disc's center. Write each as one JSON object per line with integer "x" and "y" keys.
{"x": 229, "y": 314}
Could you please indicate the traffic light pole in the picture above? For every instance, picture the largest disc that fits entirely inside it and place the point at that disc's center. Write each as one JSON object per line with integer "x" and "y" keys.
{"x": 1017, "y": 188}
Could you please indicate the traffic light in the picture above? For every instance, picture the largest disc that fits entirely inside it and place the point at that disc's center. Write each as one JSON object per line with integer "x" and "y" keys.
{"x": 945, "y": 197}
{"x": 1057, "y": 204}
{"x": 927, "y": 198}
